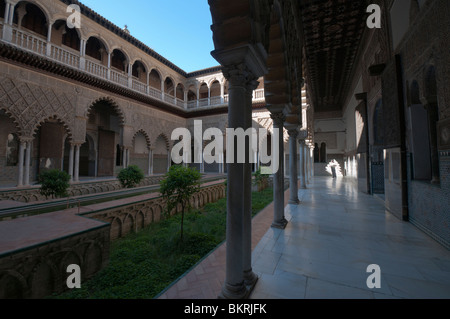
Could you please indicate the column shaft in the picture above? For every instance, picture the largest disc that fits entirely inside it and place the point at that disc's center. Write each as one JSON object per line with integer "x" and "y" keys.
{"x": 293, "y": 179}
{"x": 20, "y": 164}
{"x": 249, "y": 276}
{"x": 76, "y": 173}
{"x": 27, "y": 163}
{"x": 234, "y": 282}
{"x": 71, "y": 155}
{"x": 302, "y": 165}
{"x": 278, "y": 180}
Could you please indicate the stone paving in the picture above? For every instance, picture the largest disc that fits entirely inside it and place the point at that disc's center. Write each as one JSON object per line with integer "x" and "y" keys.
{"x": 331, "y": 239}
{"x": 324, "y": 252}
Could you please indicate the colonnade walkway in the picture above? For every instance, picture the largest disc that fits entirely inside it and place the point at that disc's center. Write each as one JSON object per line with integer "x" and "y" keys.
{"x": 324, "y": 252}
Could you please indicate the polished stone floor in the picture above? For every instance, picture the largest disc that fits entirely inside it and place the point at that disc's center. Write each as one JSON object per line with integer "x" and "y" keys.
{"x": 331, "y": 239}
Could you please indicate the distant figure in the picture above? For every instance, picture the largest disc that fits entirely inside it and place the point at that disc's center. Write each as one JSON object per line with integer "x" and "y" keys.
{"x": 333, "y": 171}
{"x": 333, "y": 165}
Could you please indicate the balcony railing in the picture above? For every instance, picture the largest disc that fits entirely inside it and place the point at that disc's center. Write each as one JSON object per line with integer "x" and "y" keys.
{"x": 37, "y": 45}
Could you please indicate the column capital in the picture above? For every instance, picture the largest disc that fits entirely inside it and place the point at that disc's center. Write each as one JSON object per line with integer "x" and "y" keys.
{"x": 252, "y": 84}
{"x": 278, "y": 119}
{"x": 25, "y": 139}
{"x": 77, "y": 143}
{"x": 293, "y": 133}
{"x": 237, "y": 75}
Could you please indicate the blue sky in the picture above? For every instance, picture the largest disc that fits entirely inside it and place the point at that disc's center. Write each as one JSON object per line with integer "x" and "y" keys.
{"x": 179, "y": 30}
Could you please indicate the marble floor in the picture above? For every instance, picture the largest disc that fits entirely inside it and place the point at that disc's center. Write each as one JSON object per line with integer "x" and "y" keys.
{"x": 331, "y": 239}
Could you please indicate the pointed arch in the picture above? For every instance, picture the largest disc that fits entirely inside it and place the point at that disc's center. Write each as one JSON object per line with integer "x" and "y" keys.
{"x": 166, "y": 140}
{"x": 12, "y": 117}
{"x": 112, "y": 103}
{"x": 146, "y": 136}
{"x": 52, "y": 119}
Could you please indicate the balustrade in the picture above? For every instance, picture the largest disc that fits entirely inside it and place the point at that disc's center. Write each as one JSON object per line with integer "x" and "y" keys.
{"x": 39, "y": 45}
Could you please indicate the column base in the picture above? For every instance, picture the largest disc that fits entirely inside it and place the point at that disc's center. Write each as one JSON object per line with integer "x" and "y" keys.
{"x": 242, "y": 291}
{"x": 294, "y": 202}
{"x": 233, "y": 291}
{"x": 280, "y": 224}
{"x": 250, "y": 278}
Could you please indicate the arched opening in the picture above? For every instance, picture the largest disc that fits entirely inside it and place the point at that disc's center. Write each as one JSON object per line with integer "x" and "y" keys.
{"x": 316, "y": 153}
{"x": 204, "y": 95}
{"x": 192, "y": 97}
{"x": 2, "y": 9}
{"x": 155, "y": 80}
{"x": 31, "y": 18}
{"x": 105, "y": 127}
{"x": 323, "y": 153}
{"x": 204, "y": 91}
{"x": 180, "y": 92}
{"x": 139, "y": 72}
{"x": 161, "y": 156}
{"x": 62, "y": 35}
{"x": 50, "y": 145}
{"x": 97, "y": 50}
{"x": 169, "y": 87}
{"x": 119, "y": 60}
{"x": 9, "y": 148}
{"x": 215, "y": 92}
{"x": 88, "y": 157}
{"x": 140, "y": 152}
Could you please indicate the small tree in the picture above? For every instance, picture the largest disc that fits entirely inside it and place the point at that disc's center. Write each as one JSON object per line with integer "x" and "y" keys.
{"x": 261, "y": 180}
{"x": 54, "y": 183}
{"x": 130, "y": 177}
{"x": 178, "y": 187}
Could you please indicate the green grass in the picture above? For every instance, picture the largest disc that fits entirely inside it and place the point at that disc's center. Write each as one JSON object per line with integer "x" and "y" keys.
{"x": 142, "y": 265}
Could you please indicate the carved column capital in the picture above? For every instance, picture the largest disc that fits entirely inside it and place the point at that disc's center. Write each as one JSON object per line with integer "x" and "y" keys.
{"x": 278, "y": 119}
{"x": 237, "y": 75}
{"x": 25, "y": 139}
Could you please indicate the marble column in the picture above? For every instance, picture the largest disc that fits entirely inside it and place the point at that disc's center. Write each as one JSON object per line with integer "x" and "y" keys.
{"x": 20, "y": 164}
{"x": 306, "y": 163}
{"x": 293, "y": 179}
{"x": 279, "y": 220}
{"x": 124, "y": 157}
{"x": 27, "y": 163}
{"x": 76, "y": 174}
{"x": 302, "y": 165}
{"x": 249, "y": 276}
{"x": 71, "y": 156}
{"x": 234, "y": 286}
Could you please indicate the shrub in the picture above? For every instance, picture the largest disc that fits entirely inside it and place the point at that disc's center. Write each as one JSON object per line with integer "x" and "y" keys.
{"x": 54, "y": 183}
{"x": 130, "y": 177}
{"x": 178, "y": 187}
{"x": 261, "y": 180}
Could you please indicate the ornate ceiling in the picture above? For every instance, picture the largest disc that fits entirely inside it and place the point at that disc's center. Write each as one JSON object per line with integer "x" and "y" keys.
{"x": 332, "y": 31}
